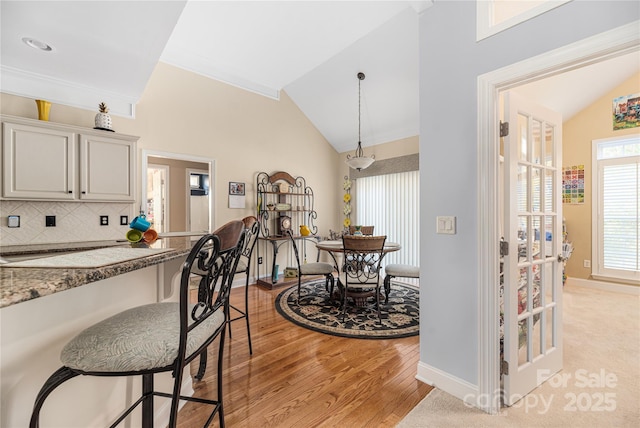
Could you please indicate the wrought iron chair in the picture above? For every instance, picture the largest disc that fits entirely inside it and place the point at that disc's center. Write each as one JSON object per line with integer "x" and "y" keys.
{"x": 360, "y": 276}
{"x": 316, "y": 268}
{"x": 398, "y": 270}
{"x": 252, "y": 229}
{"x": 160, "y": 337}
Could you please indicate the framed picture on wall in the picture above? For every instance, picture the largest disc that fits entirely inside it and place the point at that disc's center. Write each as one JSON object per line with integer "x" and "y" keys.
{"x": 626, "y": 112}
{"x": 236, "y": 188}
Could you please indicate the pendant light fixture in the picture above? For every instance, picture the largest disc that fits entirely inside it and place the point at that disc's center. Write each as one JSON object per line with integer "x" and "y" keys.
{"x": 359, "y": 161}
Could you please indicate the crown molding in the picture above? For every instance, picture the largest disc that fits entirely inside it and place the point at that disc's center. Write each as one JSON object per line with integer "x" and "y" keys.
{"x": 205, "y": 68}
{"x": 37, "y": 86}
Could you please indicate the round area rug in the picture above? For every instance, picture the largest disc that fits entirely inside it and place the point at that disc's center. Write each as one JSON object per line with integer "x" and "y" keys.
{"x": 316, "y": 311}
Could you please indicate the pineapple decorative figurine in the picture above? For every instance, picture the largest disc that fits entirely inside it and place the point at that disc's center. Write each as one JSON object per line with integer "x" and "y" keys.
{"x": 103, "y": 120}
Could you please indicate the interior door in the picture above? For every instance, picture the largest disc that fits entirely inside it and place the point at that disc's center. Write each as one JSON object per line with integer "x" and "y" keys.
{"x": 157, "y": 197}
{"x": 533, "y": 228}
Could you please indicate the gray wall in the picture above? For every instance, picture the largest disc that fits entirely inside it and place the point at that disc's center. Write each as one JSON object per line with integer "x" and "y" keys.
{"x": 450, "y": 62}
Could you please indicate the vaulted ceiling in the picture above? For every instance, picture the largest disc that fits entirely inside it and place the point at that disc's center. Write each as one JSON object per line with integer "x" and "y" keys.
{"x": 313, "y": 50}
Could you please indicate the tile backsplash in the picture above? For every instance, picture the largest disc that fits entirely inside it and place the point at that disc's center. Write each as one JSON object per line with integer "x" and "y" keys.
{"x": 75, "y": 221}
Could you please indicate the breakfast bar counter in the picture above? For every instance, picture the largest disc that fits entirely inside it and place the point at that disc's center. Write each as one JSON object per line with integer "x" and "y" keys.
{"x": 49, "y": 293}
{"x": 20, "y": 282}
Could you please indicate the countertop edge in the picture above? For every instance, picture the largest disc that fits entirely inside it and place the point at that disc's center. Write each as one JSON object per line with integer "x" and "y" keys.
{"x": 18, "y": 285}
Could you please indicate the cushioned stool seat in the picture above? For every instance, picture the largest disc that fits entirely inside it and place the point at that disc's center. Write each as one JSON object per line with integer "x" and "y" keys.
{"x": 141, "y": 338}
{"x": 406, "y": 271}
{"x": 317, "y": 268}
{"x": 398, "y": 270}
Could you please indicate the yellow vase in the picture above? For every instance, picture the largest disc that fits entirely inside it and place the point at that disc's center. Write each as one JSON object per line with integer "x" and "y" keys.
{"x": 43, "y": 109}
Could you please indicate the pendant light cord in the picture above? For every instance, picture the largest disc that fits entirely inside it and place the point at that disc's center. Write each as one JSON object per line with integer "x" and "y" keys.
{"x": 359, "y": 109}
{"x": 359, "y": 151}
{"x": 359, "y": 161}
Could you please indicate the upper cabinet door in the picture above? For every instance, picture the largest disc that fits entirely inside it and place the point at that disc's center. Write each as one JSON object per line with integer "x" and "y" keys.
{"x": 38, "y": 163}
{"x": 107, "y": 169}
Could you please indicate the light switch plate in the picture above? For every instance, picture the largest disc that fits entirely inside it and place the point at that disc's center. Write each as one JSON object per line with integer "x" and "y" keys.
{"x": 13, "y": 221}
{"x": 446, "y": 225}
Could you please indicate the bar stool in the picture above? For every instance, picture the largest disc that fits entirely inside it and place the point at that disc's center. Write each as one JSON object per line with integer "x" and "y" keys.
{"x": 160, "y": 337}
{"x": 252, "y": 229}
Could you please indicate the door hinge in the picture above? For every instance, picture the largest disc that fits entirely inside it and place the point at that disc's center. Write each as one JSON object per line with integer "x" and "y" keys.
{"x": 504, "y": 248}
{"x": 504, "y": 367}
{"x": 504, "y": 129}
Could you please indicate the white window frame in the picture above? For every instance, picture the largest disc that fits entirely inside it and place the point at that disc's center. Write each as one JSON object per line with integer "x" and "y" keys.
{"x": 486, "y": 27}
{"x": 597, "y": 267}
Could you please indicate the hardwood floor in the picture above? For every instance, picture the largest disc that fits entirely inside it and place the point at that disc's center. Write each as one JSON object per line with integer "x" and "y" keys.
{"x": 300, "y": 378}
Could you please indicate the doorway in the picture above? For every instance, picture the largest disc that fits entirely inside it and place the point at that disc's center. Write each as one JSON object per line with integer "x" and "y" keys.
{"x": 178, "y": 189}
{"x": 198, "y": 200}
{"x": 592, "y": 50}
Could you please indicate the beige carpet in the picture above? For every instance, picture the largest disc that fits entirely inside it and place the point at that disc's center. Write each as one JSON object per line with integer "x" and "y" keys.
{"x": 601, "y": 335}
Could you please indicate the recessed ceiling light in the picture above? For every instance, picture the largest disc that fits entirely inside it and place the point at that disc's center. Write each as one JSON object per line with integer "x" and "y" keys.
{"x": 37, "y": 44}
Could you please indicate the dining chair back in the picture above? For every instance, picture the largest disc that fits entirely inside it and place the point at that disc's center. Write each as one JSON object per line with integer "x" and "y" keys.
{"x": 315, "y": 268}
{"x": 360, "y": 277}
{"x": 173, "y": 333}
{"x": 365, "y": 230}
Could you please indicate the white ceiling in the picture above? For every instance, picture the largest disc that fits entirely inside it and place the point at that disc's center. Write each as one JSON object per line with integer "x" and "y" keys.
{"x": 106, "y": 51}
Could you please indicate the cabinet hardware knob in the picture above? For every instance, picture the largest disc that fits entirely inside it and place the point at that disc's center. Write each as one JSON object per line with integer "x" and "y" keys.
{"x": 70, "y": 191}
{"x": 83, "y": 192}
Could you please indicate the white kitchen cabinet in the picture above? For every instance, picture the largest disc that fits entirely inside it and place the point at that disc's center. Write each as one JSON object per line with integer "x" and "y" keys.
{"x": 38, "y": 163}
{"x": 106, "y": 169}
{"x": 51, "y": 161}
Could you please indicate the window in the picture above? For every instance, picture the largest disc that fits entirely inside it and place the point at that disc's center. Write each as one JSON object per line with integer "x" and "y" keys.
{"x": 494, "y": 16}
{"x": 616, "y": 196}
{"x": 391, "y": 203}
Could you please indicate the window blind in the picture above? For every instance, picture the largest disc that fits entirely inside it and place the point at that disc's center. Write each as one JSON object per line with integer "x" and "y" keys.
{"x": 619, "y": 205}
{"x": 391, "y": 203}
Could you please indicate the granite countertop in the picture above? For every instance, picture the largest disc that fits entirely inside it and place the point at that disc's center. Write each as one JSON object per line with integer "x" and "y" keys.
{"x": 20, "y": 284}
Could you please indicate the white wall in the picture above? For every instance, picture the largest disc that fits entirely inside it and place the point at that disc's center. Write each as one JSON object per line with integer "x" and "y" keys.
{"x": 450, "y": 62}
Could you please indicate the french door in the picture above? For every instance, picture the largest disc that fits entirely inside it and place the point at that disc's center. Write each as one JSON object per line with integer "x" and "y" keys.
{"x": 532, "y": 300}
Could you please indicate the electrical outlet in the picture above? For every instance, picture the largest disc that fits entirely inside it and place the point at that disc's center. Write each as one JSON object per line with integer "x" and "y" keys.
{"x": 50, "y": 221}
{"x": 259, "y": 260}
{"x": 13, "y": 221}
{"x": 104, "y": 220}
{"x": 587, "y": 263}
{"x": 124, "y": 220}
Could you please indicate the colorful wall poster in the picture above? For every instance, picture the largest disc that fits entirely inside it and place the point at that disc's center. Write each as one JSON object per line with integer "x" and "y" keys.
{"x": 573, "y": 184}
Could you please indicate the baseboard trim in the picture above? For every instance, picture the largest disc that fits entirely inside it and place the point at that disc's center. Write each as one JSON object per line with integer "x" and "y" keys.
{"x": 605, "y": 286}
{"x": 452, "y": 385}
